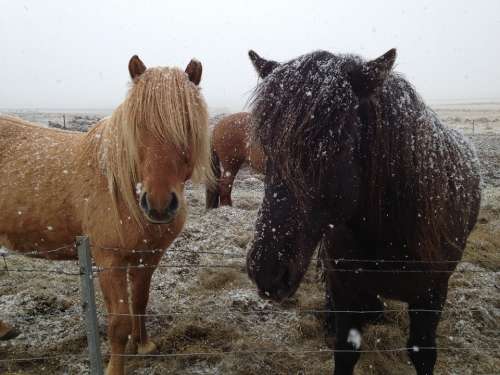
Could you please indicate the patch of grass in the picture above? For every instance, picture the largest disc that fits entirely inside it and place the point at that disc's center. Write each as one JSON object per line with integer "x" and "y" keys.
{"x": 217, "y": 279}
{"x": 198, "y": 336}
{"x": 242, "y": 240}
{"x": 483, "y": 246}
{"x": 275, "y": 359}
{"x": 309, "y": 327}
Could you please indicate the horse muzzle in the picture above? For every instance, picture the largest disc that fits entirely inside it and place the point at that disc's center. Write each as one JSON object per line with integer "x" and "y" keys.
{"x": 159, "y": 215}
{"x": 274, "y": 283}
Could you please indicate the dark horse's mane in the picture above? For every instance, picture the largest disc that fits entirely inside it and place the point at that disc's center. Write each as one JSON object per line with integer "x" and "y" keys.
{"x": 308, "y": 109}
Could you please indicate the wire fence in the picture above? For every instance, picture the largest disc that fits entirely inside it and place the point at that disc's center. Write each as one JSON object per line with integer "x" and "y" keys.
{"x": 91, "y": 271}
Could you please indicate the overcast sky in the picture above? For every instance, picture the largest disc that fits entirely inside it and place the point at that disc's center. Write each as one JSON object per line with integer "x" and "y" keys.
{"x": 74, "y": 54}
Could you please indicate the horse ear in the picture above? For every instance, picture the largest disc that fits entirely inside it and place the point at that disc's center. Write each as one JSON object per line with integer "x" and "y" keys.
{"x": 136, "y": 67}
{"x": 372, "y": 74}
{"x": 194, "y": 70}
{"x": 262, "y": 66}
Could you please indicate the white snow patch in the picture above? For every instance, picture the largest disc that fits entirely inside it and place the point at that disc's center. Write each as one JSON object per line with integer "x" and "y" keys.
{"x": 354, "y": 338}
{"x": 138, "y": 188}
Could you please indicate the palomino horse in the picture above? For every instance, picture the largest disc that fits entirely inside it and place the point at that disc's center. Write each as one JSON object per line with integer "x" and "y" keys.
{"x": 358, "y": 164}
{"x": 122, "y": 184}
{"x": 232, "y": 146}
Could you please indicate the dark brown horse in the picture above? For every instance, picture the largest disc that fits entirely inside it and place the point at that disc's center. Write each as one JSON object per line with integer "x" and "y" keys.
{"x": 232, "y": 146}
{"x": 359, "y": 165}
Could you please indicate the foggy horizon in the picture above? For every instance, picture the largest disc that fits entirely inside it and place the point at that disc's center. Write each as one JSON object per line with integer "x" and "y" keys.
{"x": 75, "y": 56}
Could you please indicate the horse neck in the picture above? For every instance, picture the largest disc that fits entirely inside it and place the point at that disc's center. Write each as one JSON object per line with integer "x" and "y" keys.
{"x": 102, "y": 140}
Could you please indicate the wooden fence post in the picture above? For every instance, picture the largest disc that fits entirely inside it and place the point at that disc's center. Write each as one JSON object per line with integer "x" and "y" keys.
{"x": 88, "y": 304}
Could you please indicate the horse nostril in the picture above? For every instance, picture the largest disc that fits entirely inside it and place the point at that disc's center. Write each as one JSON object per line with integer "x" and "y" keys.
{"x": 144, "y": 202}
{"x": 164, "y": 214}
{"x": 174, "y": 203}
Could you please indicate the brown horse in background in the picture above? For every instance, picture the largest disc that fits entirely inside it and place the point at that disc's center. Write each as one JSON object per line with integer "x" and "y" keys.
{"x": 232, "y": 146}
{"x": 122, "y": 184}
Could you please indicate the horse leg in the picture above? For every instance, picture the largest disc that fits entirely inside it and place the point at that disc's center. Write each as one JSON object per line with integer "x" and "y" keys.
{"x": 114, "y": 288}
{"x": 348, "y": 330}
{"x": 226, "y": 184}
{"x": 140, "y": 279}
{"x": 342, "y": 293}
{"x": 371, "y": 303}
{"x": 422, "y": 340}
{"x": 329, "y": 316}
{"x": 212, "y": 190}
{"x": 212, "y": 196}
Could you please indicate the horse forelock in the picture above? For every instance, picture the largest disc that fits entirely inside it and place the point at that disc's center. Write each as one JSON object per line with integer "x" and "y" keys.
{"x": 301, "y": 111}
{"x": 164, "y": 104}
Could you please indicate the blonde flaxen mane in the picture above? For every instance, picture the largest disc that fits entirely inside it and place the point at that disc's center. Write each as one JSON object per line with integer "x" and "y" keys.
{"x": 165, "y": 104}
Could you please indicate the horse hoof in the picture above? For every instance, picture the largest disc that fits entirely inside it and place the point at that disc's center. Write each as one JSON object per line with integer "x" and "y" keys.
{"x": 147, "y": 348}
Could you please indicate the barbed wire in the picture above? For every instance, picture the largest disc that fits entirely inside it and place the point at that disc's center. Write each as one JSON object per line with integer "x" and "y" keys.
{"x": 259, "y": 352}
{"x": 293, "y": 311}
{"x": 42, "y": 252}
{"x": 307, "y": 351}
{"x": 364, "y": 270}
{"x": 43, "y": 358}
{"x": 359, "y": 270}
{"x": 73, "y": 313}
{"x": 237, "y": 256}
{"x": 230, "y": 256}
{"x": 41, "y": 270}
{"x": 6, "y": 254}
{"x": 354, "y": 270}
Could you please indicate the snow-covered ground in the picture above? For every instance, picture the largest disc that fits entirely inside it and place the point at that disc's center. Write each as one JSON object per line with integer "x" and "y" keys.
{"x": 215, "y": 309}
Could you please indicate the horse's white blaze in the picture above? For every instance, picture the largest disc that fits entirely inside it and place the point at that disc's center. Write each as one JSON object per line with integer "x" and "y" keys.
{"x": 354, "y": 338}
{"x": 138, "y": 188}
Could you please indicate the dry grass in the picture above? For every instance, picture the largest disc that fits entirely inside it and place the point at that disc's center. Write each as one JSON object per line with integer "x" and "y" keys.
{"x": 215, "y": 279}
{"x": 483, "y": 247}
